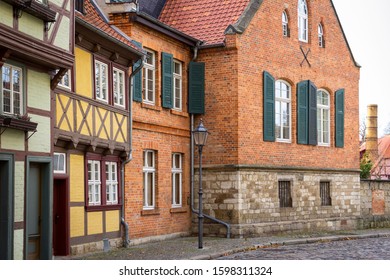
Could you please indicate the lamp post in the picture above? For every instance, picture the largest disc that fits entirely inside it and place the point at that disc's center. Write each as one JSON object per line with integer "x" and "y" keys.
{"x": 200, "y": 137}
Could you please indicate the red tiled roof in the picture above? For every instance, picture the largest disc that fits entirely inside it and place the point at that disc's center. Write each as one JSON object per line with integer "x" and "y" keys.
{"x": 95, "y": 19}
{"x": 203, "y": 19}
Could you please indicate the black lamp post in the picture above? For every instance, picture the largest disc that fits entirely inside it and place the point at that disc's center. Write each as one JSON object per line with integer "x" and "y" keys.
{"x": 200, "y": 137}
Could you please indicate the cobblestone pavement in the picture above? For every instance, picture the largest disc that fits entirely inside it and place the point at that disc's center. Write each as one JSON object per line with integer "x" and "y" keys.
{"x": 357, "y": 249}
{"x": 282, "y": 246}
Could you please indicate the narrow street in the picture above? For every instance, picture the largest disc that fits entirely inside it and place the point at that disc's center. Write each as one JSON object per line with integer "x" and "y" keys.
{"x": 359, "y": 249}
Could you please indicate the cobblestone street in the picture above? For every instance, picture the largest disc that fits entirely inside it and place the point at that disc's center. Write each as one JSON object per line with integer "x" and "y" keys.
{"x": 359, "y": 249}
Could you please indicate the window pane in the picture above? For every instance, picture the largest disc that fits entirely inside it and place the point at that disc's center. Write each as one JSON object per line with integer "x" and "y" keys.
{"x": 150, "y": 189}
{"x": 177, "y": 188}
{"x": 6, "y": 77}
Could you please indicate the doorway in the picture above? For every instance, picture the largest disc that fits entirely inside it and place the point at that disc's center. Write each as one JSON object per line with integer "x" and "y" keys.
{"x": 60, "y": 218}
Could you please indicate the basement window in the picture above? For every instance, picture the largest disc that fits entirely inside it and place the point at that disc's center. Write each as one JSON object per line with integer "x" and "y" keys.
{"x": 285, "y": 199}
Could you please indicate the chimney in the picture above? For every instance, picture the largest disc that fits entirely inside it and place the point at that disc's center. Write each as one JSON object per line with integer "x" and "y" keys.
{"x": 372, "y": 132}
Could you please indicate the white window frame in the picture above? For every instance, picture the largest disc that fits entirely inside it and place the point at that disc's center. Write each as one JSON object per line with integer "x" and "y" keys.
{"x": 111, "y": 169}
{"x": 177, "y": 171}
{"x": 100, "y": 86}
{"x": 177, "y": 84}
{"x": 320, "y": 119}
{"x": 62, "y": 82}
{"x": 119, "y": 87}
{"x": 58, "y": 157}
{"x": 285, "y": 24}
{"x": 303, "y": 22}
{"x": 12, "y": 92}
{"x": 279, "y": 101}
{"x": 145, "y": 76}
{"x": 149, "y": 169}
{"x": 94, "y": 184}
{"x": 320, "y": 35}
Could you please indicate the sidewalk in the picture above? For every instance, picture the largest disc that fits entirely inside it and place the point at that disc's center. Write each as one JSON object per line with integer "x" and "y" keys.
{"x": 186, "y": 248}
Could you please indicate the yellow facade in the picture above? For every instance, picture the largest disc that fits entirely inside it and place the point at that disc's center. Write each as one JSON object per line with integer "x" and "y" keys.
{"x": 95, "y": 223}
{"x": 112, "y": 221}
{"x": 83, "y": 70}
{"x": 76, "y": 173}
{"x": 76, "y": 221}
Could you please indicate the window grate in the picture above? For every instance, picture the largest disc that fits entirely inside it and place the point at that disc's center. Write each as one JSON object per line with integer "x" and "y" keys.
{"x": 326, "y": 200}
{"x": 285, "y": 199}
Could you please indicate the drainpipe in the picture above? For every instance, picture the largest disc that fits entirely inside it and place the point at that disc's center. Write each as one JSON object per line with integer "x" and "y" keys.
{"x": 192, "y": 167}
{"x": 130, "y": 157}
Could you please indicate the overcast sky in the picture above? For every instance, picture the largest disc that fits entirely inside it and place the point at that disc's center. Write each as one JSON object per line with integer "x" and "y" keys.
{"x": 366, "y": 26}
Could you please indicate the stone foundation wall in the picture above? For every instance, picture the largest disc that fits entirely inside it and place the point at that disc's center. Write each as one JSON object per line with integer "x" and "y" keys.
{"x": 375, "y": 203}
{"x": 248, "y": 199}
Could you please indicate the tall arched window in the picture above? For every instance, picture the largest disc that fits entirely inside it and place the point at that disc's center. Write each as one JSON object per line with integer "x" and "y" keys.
{"x": 323, "y": 117}
{"x": 320, "y": 36}
{"x": 282, "y": 111}
{"x": 302, "y": 20}
{"x": 285, "y": 24}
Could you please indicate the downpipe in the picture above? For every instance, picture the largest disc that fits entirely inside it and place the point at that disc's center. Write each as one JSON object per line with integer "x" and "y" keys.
{"x": 126, "y": 241}
{"x": 192, "y": 164}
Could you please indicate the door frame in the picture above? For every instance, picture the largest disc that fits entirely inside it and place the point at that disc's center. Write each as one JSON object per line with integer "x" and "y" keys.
{"x": 46, "y": 164}
{"x": 65, "y": 178}
{"x": 7, "y": 198}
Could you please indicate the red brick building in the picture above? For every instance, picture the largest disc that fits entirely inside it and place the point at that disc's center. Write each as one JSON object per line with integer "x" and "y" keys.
{"x": 281, "y": 103}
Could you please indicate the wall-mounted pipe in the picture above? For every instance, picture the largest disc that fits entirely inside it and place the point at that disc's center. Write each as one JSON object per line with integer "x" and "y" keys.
{"x": 130, "y": 156}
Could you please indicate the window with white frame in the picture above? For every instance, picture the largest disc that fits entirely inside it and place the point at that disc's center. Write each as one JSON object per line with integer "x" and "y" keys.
{"x": 302, "y": 21}
{"x": 282, "y": 111}
{"x": 101, "y": 81}
{"x": 65, "y": 80}
{"x": 177, "y": 85}
{"x": 94, "y": 182}
{"x": 59, "y": 163}
{"x": 320, "y": 36}
{"x": 119, "y": 87}
{"x": 12, "y": 89}
{"x": 148, "y": 76}
{"x": 149, "y": 178}
{"x": 285, "y": 24}
{"x": 177, "y": 172}
{"x": 323, "y": 117}
{"x": 111, "y": 183}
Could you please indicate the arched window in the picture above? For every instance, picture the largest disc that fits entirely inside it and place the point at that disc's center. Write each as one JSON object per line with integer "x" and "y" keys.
{"x": 323, "y": 117}
{"x": 282, "y": 111}
{"x": 285, "y": 24}
{"x": 320, "y": 36}
{"x": 302, "y": 21}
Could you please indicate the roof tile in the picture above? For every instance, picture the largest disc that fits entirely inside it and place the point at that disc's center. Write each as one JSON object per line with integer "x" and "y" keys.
{"x": 203, "y": 19}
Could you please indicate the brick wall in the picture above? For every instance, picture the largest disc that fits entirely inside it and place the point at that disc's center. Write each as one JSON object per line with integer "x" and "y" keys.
{"x": 234, "y": 88}
{"x": 163, "y": 130}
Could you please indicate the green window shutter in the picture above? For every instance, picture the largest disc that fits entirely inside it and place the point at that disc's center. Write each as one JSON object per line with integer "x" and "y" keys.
{"x": 268, "y": 107}
{"x": 137, "y": 79}
{"x": 339, "y": 118}
{"x": 196, "y": 88}
{"x": 312, "y": 114}
{"x": 302, "y": 112}
{"x": 167, "y": 80}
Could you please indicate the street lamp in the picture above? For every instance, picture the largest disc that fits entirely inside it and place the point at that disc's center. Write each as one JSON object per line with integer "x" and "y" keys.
{"x": 200, "y": 137}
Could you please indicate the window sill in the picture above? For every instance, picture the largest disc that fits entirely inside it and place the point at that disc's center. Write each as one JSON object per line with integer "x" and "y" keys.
{"x": 179, "y": 113}
{"x": 283, "y": 141}
{"x": 102, "y": 207}
{"x": 178, "y": 210}
{"x": 150, "y": 106}
{"x": 150, "y": 212}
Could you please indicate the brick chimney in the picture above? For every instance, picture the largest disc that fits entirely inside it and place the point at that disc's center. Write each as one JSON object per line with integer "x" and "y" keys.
{"x": 372, "y": 132}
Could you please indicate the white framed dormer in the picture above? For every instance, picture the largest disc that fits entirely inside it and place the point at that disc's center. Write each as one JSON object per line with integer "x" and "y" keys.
{"x": 303, "y": 21}
{"x": 282, "y": 111}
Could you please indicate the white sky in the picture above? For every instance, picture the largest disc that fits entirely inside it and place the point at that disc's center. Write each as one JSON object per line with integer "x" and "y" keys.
{"x": 366, "y": 27}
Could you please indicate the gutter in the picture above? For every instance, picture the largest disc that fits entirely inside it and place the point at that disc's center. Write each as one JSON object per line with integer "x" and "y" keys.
{"x": 130, "y": 156}
{"x": 193, "y": 210}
